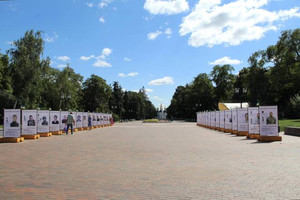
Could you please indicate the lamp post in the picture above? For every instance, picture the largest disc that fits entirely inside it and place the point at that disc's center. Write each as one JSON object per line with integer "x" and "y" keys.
{"x": 68, "y": 100}
{"x": 198, "y": 105}
{"x": 240, "y": 91}
{"x": 62, "y": 96}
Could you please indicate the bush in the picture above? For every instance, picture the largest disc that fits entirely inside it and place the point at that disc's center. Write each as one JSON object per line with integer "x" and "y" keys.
{"x": 116, "y": 117}
{"x": 295, "y": 103}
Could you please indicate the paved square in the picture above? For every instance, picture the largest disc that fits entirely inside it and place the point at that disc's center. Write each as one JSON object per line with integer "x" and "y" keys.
{"x": 150, "y": 161}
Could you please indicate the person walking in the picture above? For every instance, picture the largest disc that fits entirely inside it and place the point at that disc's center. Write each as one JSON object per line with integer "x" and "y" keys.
{"x": 90, "y": 122}
{"x": 70, "y": 121}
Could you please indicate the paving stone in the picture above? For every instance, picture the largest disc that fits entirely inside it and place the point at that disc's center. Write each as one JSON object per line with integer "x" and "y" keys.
{"x": 150, "y": 161}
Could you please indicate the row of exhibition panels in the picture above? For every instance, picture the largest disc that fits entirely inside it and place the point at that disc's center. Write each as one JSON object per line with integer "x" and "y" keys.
{"x": 253, "y": 122}
{"x": 19, "y": 122}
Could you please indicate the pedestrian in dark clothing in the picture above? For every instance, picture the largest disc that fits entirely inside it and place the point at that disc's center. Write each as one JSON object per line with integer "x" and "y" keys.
{"x": 90, "y": 122}
{"x": 70, "y": 121}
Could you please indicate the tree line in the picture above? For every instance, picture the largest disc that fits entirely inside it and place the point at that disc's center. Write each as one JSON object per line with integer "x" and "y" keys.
{"x": 27, "y": 80}
{"x": 272, "y": 77}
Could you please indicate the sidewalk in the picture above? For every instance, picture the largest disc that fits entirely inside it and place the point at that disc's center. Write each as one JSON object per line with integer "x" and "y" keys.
{"x": 150, "y": 161}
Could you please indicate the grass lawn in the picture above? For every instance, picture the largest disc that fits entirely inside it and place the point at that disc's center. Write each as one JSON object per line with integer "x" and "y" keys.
{"x": 1, "y": 126}
{"x": 151, "y": 120}
{"x": 288, "y": 122}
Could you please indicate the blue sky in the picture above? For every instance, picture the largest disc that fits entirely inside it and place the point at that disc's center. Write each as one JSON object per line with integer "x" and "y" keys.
{"x": 152, "y": 43}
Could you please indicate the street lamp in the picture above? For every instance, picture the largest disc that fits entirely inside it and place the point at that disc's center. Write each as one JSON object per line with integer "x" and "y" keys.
{"x": 67, "y": 98}
{"x": 240, "y": 91}
{"x": 198, "y": 105}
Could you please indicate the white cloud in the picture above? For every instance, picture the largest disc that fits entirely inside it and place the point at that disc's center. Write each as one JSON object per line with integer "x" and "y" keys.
{"x": 153, "y": 35}
{"x": 50, "y": 39}
{"x": 226, "y": 60}
{"x": 101, "y": 59}
{"x": 89, "y": 4}
{"x": 167, "y": 7}
{"x": 106, "y": 51}
{"x": 148, "y": 90}
{"x": 127, "y": 59}
{"x": 104, "y": 3}
{"x": 101, "y": 63}
{"x": 162, "y": 81}
{"x": 64, "y": 58}
{"x": 211, "y": 23}
{"x": 168, "y": 31}
{"x": 156, "y": 98}
{"x": 10, "y": 43}
{"x": 61, "y": 66}
{"x": 131, "y": 74}
{"x": 102, "y": 20}
{"x": 85, "y": 58}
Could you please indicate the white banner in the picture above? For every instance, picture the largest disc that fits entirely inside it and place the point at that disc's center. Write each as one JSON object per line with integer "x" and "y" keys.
{"x": 74, "y": 114}
{"x": 243, "y": 119}
{"x": 29, "y": 122}
{"x": 228, "y": 120}
{"x": 253, "y": 120}
{"x": 222, "y": 119}
{"x": 234, "y": 119}
{"x": 105, "y": 119}
{"x": 85, "y": 119}
{"x": 55, "y": 120}
{"x": 213, "y": 119}
{"x": 218, "y": 119}
{"x": 63, "y": 119}
{"x": 12, "y": 123}
{"x": 98, "y": 119}
{"x": 43, "y": 121}
{"x": 209, "y": 116}
{"x": 268, "y": 121}
{"x": 94, "y": 123}
{"x": 79, "y": 120}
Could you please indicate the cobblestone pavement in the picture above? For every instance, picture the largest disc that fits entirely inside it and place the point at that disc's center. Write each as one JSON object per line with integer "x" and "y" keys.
{"x": 150, "y": 161}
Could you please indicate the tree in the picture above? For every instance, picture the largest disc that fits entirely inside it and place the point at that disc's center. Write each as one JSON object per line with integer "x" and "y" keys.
{"x": 25, "y": 69}
{"x": 116, "y": 102}
{"x": 96, "y": 94}
{"x": 177, "y": 107}
{"x": 241, "y": 85}
{"x": 194, "y": 97}
{"x": 258, "y": 79}
{"x": 224, "y": 79}
{"x": 285, "y": 72}
{"x": 7, "y": 99}
{"x": 68, "y": 84}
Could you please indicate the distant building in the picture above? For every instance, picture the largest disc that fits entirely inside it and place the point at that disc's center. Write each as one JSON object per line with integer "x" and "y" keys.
{"x": 161, "y": 114}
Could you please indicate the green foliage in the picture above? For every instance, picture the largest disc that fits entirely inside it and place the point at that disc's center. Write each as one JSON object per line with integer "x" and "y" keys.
{"x": 295, "y": 105}
{"x": 96, "y": 94}
{"x": 272, "y": 78}
{"x": 116, "y": 100}
{"x": 151, "y": 120}
{"x": 224, "y": 80}
{"x": 25, "y": 68}
{"x": 27, "y": 79}
{"x": 288, "y": 122}
{"x": 195, "y": 96}
{"x": 116, "y": 117}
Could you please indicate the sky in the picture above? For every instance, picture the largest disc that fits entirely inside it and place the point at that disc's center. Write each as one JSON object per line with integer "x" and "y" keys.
{"x": 156, "y": 44}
